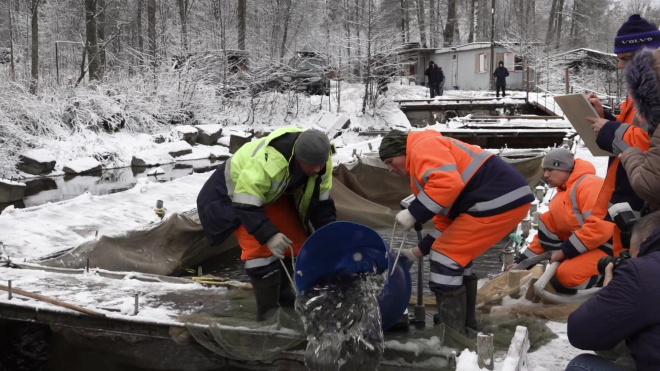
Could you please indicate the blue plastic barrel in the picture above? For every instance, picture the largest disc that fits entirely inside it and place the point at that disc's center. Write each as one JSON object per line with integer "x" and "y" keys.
{"x": 346, "y": 248}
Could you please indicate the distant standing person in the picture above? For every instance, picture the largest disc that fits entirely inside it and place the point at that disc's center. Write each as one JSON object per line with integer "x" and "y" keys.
{"x": 436, "y": 79}
{"x": 501, "y": 73}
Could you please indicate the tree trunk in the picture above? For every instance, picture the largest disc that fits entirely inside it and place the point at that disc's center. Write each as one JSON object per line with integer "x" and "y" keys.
{"x": 138, "y": 25}
{"x": 285, "y": 28}
{"x": 34, "y": 81}
{"x": 93, "y": 61}
{"x": 242, "y": 11}
{"x": 367, "y": 95}
{"x": 151, "y": 31}
{"x": 433, "y": 26}
{"x": 471, "y": 19}
{"x": 420, "y": 22}
{"x": 183, "y": 16}
{"x": 100, "y": 24}
{"x": 551, "y": 23}
{"x": 11, "y": 46}
{"x": 404, "y": 35}
{"x": 451, "y": 23}
{"x": 560, "y": 18}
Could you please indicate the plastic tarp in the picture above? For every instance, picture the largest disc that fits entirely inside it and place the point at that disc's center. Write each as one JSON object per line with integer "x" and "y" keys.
{"x": 364, "y": 192}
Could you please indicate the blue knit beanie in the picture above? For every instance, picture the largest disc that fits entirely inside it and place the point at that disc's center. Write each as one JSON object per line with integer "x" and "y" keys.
{"x": 636, "y": 33}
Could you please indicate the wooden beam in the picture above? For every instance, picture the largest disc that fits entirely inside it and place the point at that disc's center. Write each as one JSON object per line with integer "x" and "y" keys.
{"x": 52, "y": 301}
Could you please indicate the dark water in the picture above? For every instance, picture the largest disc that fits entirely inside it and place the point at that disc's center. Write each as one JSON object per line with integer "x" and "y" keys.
{"x": 52, "y": 189}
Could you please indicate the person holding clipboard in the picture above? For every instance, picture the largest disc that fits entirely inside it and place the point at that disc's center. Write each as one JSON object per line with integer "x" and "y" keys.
{"x": 616, "y": 133}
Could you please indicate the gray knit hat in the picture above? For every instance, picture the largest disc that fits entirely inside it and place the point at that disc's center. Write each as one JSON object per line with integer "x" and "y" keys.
{"x": 393, "y": 144}
{"x": 559, "y": 159}
{"x": 312, "y": 147}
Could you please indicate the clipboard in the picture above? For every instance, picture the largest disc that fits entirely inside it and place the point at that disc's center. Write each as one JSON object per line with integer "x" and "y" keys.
{"x": 576, "y": 107}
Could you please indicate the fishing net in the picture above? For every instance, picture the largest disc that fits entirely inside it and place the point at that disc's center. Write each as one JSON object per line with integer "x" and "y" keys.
{"x": 233, "y": 332}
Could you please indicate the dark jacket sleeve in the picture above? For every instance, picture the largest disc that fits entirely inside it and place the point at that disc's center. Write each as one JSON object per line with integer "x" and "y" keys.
{"x": 324, "y": 213}
{"x": 255, "y": 221}
{"x": 607, "y": 114}
{"x": 612, "y": 315}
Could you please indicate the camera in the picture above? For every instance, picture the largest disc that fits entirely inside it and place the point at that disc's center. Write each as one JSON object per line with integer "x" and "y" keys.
{"x": 605, "y": 260}
{"x": 624, "y": 217}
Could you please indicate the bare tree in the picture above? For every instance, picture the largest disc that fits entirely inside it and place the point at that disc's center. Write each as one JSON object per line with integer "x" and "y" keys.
{"x": 242, "y": 11}
{"x": 420, "y": 22}
{"x": 433, "y": 26}
{"x": 551, "y": 23}
{"x": 11, "y": 45}
{"x": 92, "y": 46}
{"x": 285, "y": 27}
{"x": 100, "y": 23}
{"x": 184, "y": 9}
{"x": 471, "y": 20}
{"x": 560, "y": 18}
{"x": 138, "y": 27}
{"x": 34, "y": 81}
{"x": 151, "y": 31}
{"x": 451, "y": 23}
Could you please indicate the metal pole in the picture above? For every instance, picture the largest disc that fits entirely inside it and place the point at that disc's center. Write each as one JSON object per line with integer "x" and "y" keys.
{"x": 492, "y": 45}
{"x": 420, "y": 310}
{"x": 527, "y": 96}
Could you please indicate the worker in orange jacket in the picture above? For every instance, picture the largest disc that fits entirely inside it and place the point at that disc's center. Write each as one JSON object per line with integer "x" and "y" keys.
{"x": 474, "y": 198}
{"x": 627, "y": 129}
{"x": 568, "y": 228}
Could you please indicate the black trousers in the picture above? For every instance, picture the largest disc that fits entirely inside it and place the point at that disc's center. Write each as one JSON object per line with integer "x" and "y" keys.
{"x": 497, "y": 91}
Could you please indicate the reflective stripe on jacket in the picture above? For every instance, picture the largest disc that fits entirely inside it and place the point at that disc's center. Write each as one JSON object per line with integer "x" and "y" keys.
{"x": 259, "y": 174}
{"x": 617, "y": 136}
{"x": 253, "y": 178}
{"x": 449, "y": 177}
{"x": 569, "y": 224}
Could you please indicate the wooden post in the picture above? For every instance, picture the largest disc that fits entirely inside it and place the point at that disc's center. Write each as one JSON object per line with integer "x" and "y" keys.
{"x": 530, "y": 295}
{"x": 518, "y": 350}
{"x": 52, "y": 301}
{"x": 535, "y": 220}
{"x": 135, "y": 312}
{"x": 566, "y": 79}
{"x": 485, "y": 349}
{"x": 9, "y": 290}
{"x": 533, "y": 207}
{"x": 539, "y": 192}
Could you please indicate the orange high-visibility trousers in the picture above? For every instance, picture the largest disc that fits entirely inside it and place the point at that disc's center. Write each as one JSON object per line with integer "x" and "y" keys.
{"x": 575, "y": 272}
{"x": 468, "y": 236}
{"x": 282, "y": 214}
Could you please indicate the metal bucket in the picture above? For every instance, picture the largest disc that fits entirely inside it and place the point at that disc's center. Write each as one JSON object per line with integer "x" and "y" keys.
{"x": 346, "y": 248}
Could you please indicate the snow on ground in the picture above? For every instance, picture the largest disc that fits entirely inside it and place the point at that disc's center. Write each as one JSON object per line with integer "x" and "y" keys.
{"x": 37, "y": 231}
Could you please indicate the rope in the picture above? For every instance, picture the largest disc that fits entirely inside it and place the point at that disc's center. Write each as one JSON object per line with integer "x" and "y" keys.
{"x": 293, "y": 266}
{"x": 398, "y": 253}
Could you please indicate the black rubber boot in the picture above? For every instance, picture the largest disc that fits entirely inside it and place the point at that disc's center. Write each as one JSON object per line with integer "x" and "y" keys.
{"x": 267, "y": 294}
{"x": 470, "y": 283}
{"x": 287, "y": 292}
{"x": 451, "y": 309}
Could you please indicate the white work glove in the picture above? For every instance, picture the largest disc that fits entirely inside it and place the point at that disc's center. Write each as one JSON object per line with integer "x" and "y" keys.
{"x": 410, "y": 256}
{"x": 278, "y": 244}
{"x": 405, "y": 219}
